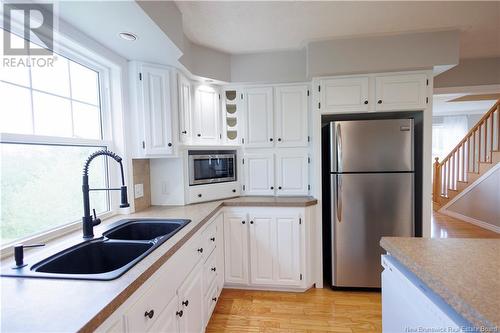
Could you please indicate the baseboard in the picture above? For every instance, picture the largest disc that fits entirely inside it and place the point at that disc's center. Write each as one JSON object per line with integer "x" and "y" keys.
{"x": 266, "y": 288}
{"x": 472, "y": 220}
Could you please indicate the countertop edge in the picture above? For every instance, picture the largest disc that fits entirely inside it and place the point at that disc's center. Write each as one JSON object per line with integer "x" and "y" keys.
{"x": 111, "y": 307}
{"x": 460, "y": 305}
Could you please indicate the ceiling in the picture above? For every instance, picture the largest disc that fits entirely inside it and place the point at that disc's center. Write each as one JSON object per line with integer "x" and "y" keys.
{"x": 447, "y": 104}
{"x": 246, "y": 27}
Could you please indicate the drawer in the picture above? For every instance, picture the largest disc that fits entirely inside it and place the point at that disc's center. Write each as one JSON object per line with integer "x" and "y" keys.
{"x": 209, "y": 272}
{"x": 202, "y": 193}
{"x": 211, "y": 301}
{"x": 210, "y": 239}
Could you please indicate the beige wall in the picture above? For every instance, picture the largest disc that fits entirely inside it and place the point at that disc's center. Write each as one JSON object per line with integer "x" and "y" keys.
{"x": 482, "y": 202}
{"x": 470, "y": 72}
{"x": 142, "y": 176}
{"x": 383, "y": 53}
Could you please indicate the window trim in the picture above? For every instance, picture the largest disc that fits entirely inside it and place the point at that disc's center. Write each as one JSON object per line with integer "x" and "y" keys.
{"x": 77, "y": 52}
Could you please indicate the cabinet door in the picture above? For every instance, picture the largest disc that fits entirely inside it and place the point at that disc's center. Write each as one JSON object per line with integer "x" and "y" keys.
{"x": 236, "y": 248}
{"x": 157, "y": 111}
{"x": 206, "y": 116}
{"x": 259, "y": 174}
{"x": 168, "y": 319}
{"x": 191, "y": 302}
{"x": 185, "y": 110}
{"x": 259, "y": 117}
{"x": 401, "y": 92}
{"x": 288, "y": 249}
{"x": 291, "y": 116}
{"x": 342, "y": 95}
{"x": 262, "y": 248}
{"x": 292, "y": 172}
{"x": 219, "y": 248}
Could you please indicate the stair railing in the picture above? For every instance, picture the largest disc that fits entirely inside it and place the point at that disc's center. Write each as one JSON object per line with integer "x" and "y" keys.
{"x": 475, "y": 148}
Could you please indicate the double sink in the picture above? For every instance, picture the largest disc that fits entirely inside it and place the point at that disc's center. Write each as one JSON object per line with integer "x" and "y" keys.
{"x": 108, "y": 257}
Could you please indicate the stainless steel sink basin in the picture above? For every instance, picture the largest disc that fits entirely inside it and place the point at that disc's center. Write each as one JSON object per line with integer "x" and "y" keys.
{"x": 122, "y": 246}
{"x": 145, "y": 229}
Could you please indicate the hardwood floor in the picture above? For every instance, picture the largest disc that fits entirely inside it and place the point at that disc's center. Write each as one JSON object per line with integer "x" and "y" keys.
{"x": 318, "y": 310}
{"x": 443, "y": 226}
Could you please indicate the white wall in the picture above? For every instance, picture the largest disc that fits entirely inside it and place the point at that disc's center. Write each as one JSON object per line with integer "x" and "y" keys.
{"x": 167, "y": 181}
{"x": 385, "y": 53}
{"x": 470, "y": 72}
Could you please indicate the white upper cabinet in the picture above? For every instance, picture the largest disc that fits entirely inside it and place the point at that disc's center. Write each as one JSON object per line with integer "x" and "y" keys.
{"x": 206, "y": 115}
{"x": 401, "y": 92}
{"x": 291, "y": 104}
{"x": 262, "y": 248}
{"x": 155, "y": 111}
{"x": 292, "y": 172}
{"x": 185, "y": 102}
{"x": 259, "y": 117}
{"x": 259, "y": 174}
{"x": 236, "y": 248}
{"x": 344, "y": 94}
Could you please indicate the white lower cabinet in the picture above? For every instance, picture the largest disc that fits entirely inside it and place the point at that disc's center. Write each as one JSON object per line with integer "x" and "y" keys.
{"x": 271, "y": 247}
{"x": 168, "y": 320}
{"x": 236, "y": 247}
{"x": 191, "y": 317}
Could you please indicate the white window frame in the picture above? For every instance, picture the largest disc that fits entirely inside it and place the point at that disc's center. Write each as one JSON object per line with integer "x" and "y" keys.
{"x": 77, "y": 52}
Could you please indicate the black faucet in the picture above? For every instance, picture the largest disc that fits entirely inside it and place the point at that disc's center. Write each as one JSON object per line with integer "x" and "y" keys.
{"x": 88, "y": 221}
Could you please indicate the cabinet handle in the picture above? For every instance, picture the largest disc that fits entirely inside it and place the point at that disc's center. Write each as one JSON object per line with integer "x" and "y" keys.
{"x": 279, "y": 187}
{"x": 149, "y": 314}
{"x": 251, "y": 222}
{"x": 272, "y": 187}
{"x": 198, "y": 134}
{"x": 271, "y": 139}
{"x": 199, "y": 195}
{"x": 242, "y": 222}
{"x": 200, "y": 250}
{"x": 279, "y": 139}
{"x": 366, "y": 102}
{"x": 185, "y": 303}
{"x": 179, "y": 313}
{"x": 213, "y": 269}
{"x": 170, "y": 144}
{"x": 379, "y": 101}
{"x": 184, "y": 132}
{"x": 214, "y": 299}
{"x": 234, "y": 190}
{"x": 212, "y": 239}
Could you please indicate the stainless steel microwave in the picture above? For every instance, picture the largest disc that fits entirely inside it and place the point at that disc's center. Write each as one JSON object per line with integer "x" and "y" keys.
{"x": 211, "y": 166}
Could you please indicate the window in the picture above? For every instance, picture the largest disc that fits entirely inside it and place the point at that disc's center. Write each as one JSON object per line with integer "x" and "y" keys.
{"x": 51, "y": 120}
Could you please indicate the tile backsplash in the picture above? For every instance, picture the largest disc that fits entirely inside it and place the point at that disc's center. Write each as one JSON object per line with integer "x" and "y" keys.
{"x": 142, "y": 176}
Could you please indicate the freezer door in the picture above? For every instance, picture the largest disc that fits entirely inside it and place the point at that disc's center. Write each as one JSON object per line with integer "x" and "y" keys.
{"x": 366, "y": 207}
{"x": 371, "y": 145}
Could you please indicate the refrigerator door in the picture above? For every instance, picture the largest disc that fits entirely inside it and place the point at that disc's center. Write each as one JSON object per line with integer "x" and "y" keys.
{"x": 371, "y": 145}
{"x": 366, "y": 207}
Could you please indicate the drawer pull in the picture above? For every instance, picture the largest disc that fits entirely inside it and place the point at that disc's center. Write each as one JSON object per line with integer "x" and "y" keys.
{"x": 213, "y": 269}
{"x": 214, "y": 299}
{"x": 212, "y": 239}
{"x": 200, "y": 250}
{"x": 149, "y": 314}
{"x": 242, "y": 222}
{"x": 251, "y": 222}
{"x": 179, "y": 313}
{"x": 185, "y": 303}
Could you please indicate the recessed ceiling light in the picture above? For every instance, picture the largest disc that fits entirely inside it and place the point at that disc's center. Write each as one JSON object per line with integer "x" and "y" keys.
{"x": 128, "y": 36}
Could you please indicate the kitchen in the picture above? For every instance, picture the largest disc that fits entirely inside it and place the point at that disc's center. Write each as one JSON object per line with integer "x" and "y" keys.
{"x": 209, "y": 174}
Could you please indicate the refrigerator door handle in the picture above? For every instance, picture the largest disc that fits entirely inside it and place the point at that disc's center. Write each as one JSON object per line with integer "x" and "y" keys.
{"x": 338, "y": 143}
{"x": 338, "y": 199}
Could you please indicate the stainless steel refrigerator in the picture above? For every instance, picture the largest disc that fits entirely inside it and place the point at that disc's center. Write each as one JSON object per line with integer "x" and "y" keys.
{"x": 372, "y": 182}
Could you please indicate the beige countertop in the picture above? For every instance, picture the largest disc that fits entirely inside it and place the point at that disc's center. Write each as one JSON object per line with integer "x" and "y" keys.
{"x": 56, "y": 305}
{"x": 464, "y": 272}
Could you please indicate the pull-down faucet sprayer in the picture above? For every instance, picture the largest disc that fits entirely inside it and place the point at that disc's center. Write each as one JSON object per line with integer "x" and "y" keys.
{"x": 88, "y": 221}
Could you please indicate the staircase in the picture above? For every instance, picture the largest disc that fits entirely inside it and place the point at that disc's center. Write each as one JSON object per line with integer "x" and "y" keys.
{"x": 478, "y": 151}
